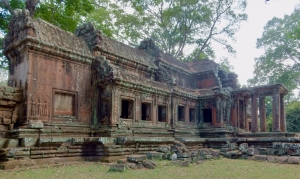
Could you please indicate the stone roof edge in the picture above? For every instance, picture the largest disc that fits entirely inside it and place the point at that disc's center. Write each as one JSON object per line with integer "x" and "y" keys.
{"x": 143, "y": 88}
{"x": 278, "y": 86}
{"x": 37, "y": 45}
{"x": 125, "y": 58}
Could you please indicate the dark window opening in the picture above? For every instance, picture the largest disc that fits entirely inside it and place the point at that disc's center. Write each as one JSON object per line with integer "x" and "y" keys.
{"x": 192, "y": 115}
{"x": 207, "y": 115}
{"x": 127, "y": 109}
{"x": 181, "y": 113}
{"x": 162, "y": 113}
{"x": 146, "y": 111}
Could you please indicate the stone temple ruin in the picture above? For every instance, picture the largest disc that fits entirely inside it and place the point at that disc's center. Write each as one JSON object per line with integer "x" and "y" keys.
{"x": 84, "y": 96}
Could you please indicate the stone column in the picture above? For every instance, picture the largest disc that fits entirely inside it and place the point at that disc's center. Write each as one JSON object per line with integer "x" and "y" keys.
{"x": 219, "y": 110}
{"x": 243, "y": 115}
{"x": 254, "y": 116}
{"x": 154, "y": 110}
{"x": 276, "y": 111}
{"x": 138, "y": 108}
{"x": 262, "y": 114}
{"x": 282, "y": 114}
{"x": 186, "y": 113}
{"x": 199, "y": 114}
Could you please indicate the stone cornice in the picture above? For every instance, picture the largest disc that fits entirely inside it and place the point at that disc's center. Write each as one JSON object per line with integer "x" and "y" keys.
{"x": 35, "y": 44}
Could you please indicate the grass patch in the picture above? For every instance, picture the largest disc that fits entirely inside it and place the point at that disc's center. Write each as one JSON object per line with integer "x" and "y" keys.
{"x": 224, "y": 168}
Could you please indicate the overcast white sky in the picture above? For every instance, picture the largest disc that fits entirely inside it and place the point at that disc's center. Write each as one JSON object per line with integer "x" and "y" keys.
{"x": 259, "y": 13}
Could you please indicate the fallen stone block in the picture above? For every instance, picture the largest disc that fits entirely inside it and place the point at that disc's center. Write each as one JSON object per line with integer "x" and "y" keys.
{"x": 136, "y": 158}
{"x": 149, "y": 164}
{"x": 272, "y": 159}
{"x": 155, "y": 155}
{"x": 203, "y": 152}
{"x": 215, "y": 153}
{"x": 293, "y": 160}
{"x": 183, "y": 155}
{"x": 172, "y": 156}
{"x": 260, "y": 157}
{"x": 282, "y": 159}
{"x": 117, "y": 168}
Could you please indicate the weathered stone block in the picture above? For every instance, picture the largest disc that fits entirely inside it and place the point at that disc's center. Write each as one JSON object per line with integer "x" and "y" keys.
{"x": 11, "y": 103}
{"x": 17, "y": 96}
{"x": 6, "y": 121}
{"x": 173, "y": 156}
{"x": 291, "y": 145}
{"x": 2, "y": 142}
{"x": 14, "y": 118}
{"x": 271, "y": 151}
{"x": 3, "y": 102}
{"x": 9, "y": 89}
{"x": 140, "y": 165}
{"x": 280, "y": 151}
{"x": 136, "y": 158}
{"x": 294, "y": 152}
{"x": 215, "y": 153}
{"x": 252, "y": 151}
{"x": 272, "y": 159}
{"x": 29, "y": 142}
{"x": 282, "y": 159}
{"x": 260, "y": 157}
{"x": 183, "y": 155}
{"x": 243, "y": 147}
{"x": 12, "y": 143}
{"x": 155, "y": 155}
{"x": 262, "y": 151}
{"x": 35, "y": 124}
{"x": 231, "y": 146}
{"x": 164, "y": 148}
{"x": 148, "y": 164}
{"x": 122, "y": 161}
{"x": 207, "y": 157}
{"x": 203, "y": 152}
{"x": 293, "y": 160}
{"x": 118, "y": 168}
{"x": 277, "y": 145}
{"x": 6, "y": 114}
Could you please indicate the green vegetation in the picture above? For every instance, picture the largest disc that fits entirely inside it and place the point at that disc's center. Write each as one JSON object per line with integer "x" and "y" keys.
{"x": 175, "y": 26}
{"x": 280, "y": 62}
{"x": 223, "y": 168}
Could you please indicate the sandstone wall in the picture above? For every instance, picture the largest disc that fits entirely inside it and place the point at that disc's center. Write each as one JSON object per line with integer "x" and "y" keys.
{"x": 10, "y": 99}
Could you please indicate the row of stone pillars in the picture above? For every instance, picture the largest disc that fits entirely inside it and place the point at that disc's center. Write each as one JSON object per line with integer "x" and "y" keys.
{"x": 278, "y": 113}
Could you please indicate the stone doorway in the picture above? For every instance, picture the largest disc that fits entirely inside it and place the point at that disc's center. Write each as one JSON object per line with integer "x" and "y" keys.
{"x": 146, "y": 111}
{"x": 207, "y": 115}
{"x": 127, "y": 109}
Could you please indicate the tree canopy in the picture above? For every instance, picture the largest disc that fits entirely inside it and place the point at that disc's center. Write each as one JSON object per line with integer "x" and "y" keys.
{"x": 280, "y": 62}
{"x": 179, "y": 25}
{"x": 183, "y": 28}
